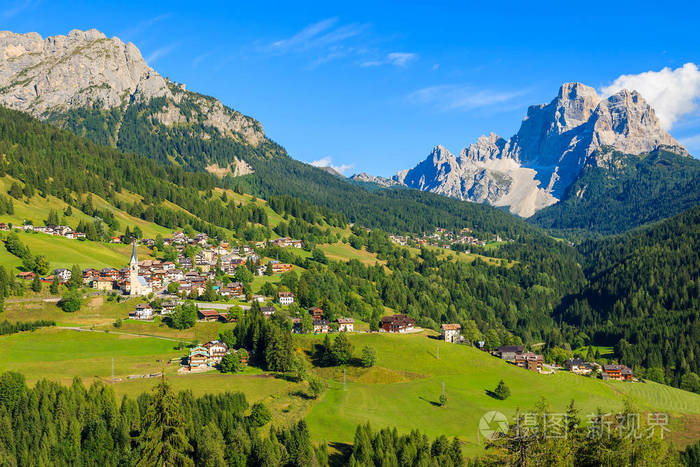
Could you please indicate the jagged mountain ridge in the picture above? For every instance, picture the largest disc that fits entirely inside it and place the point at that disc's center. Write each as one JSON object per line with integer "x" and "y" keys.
{"x": 51, "y": 78}
{"x": 532, "y": 169}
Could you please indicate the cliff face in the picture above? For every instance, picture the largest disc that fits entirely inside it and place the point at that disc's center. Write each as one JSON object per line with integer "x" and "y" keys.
{"x": 532, "y": 169}
{"x": 85, "y": 69}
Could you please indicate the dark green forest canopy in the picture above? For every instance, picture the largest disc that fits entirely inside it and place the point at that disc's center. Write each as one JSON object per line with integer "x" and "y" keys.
{"x": 626, "y": 191}
{"x": 643, "y": 296}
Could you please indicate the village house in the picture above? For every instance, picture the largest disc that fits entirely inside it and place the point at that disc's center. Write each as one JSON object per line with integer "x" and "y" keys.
{"x": 284, "y": 242}
{"x": 199, "y": 357}
{"x": 168, "y": 307}
{"x": 103, "y": 284}
{"x": 285, "y": 298}
{"x": 267, "y": 311}
{"x": 4, "y": 227}
{"x": 212, "y": 315}
{"x": 322, "y": 326}
{"x": 143, "y": 311}
{"x": 27, "y": 275}
{"x": 346, "y": 324}
{"x": 451, "y": 332}
{"x": 579, "y": 367}
{"x": 397, "y": 323}
{"x": 217, "y": 350}
{"x": 529, "y": 361}
{"x": 63, "y": 274}
{"x": 617, "y": 373}
{"x": 509, "y": 352}
{"x": 316, "y": 312}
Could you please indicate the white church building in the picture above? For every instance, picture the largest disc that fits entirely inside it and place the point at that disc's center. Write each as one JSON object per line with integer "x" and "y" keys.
{"x": 138, "y": 286}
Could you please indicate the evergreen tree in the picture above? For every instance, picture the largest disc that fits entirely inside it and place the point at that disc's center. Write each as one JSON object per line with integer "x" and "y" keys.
{"x": 36, "y": 283}
{"x": 502, "y": 391}
{"x": 164, "y": 441}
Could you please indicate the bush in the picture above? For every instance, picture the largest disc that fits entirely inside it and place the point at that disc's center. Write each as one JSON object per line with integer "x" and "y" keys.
{"x": 71, "y": 301}
{"x": 183, "y": 316}
{"x": 316, "y": 386}
{"x": 260, "y": 414}
{"x": 369, "y": 356}
{"x": 231, "y": 363}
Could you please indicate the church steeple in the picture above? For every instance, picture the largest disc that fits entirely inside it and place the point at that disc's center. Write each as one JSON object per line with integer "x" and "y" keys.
{"x": 134, "y": 259}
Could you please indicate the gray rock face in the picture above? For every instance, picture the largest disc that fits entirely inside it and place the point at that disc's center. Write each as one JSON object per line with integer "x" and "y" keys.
{"x": 85, "y": 69}
{"x": 532, "y": 169}
{"x": 367, "y": 178}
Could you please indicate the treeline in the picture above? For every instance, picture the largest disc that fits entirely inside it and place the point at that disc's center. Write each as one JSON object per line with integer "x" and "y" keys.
{"x": 643, "y": 297}
{"x": 51, "y": 424}
{"x": 7, "y": 327}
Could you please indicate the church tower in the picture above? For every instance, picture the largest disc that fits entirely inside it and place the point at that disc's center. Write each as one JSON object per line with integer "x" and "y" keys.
{"x": 135, "y": 285}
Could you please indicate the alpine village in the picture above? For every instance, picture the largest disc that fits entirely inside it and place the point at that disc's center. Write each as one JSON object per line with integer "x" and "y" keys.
{"x": 176, "y": 289}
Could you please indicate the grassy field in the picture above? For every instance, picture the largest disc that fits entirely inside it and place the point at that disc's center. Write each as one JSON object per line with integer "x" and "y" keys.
{"x": 63, "y": 252}
{"x": 345, "y": 252}
{"x": 404, "y": 389}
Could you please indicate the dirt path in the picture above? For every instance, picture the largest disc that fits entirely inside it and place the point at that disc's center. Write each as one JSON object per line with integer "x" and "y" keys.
{"x": 79, "y": 329}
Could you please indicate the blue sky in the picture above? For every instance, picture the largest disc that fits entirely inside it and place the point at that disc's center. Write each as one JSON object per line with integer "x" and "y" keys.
{"x": 374, "y": 86}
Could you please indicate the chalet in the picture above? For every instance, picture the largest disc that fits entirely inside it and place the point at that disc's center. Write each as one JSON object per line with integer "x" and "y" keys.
{"x": 4, "y": 227}
{"x": 529, "y": 361}
{"x": 116, "y": 239}
{"x": 578, "y": 366}
{"x": 212, "y": 315}
{"x": 279, "y": 268}
{"x": 316, "y": 312}
{"x": 397, "y": 323}
{"x": 285, "y": 298}
{"x": 267, "y": 311}
{"x": 451, "y": 332}
{"x": 63, "y": 274}
{"x": 617, "y": 373}
{"x": 346, "y": 324}
{"x": 509, "y": 352}
{"x": 143, "y": 311}
{"x": 322, "y": 326}
{"x": 259, "y": 298}
{"x": 168, "y": 307}
{"x": 232, "y": 289}
{"x": 199, "y": 357}
{"x": 28, "y": 275}
{"x": 217, "y": 350}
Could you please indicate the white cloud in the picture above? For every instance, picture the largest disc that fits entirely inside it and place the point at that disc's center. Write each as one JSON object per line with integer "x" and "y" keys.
{"x": 446, "y": 97}
{"x": 16, "y": 8}
{"x": 161, "y": 52}
{"x": 328, "y": 162}
{"x": 672, "y": 93}
{"x": 400, "y": 59}
{"x": 692, "y": 144}
{"x": 320, "y": 34}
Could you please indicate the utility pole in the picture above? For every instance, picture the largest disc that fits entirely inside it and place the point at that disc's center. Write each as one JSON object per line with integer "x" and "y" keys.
{"x": 438, "y": 350}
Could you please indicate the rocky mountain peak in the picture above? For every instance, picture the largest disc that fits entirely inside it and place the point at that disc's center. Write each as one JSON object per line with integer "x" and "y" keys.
{"x": 51, "y": 76}
{"x": 533, "y": 168}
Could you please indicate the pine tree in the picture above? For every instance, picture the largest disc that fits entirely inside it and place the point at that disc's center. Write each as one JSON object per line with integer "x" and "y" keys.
{"x": 164, "y": 442}
{"x": 36, "y": 283}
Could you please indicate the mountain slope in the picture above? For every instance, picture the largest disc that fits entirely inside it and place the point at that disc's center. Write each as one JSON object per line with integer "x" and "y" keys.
{"x": 624, "y": 191}
{"x": 533, "y": 169}
{"x": 102, "y": 89}
{"x": 644, "y": 296}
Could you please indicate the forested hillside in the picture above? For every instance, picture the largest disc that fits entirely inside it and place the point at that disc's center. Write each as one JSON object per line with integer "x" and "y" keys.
{"x": 643, "y": 297}
{"x": 277, "y": 174}
{"x": 625, "y": 191}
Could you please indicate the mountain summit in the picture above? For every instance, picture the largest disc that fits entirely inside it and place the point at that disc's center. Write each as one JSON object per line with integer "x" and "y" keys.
{"x": 532, "y": 169}
{"x": 86, "y": 70}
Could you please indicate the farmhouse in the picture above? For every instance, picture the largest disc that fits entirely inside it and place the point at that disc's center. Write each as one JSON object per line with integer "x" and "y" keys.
{"x": 217, "y": 350}
{"x": 267, "y": 311}
{"x": 28, "y": 275}
{"x": 346, "y": 324}
{"x": 142, "y": 311}
{"x": 285, "y": 298}
{"x": 397, "y": 323}
{"x": 617, "y": 373}
{"x": 578, "y": 366}
{"x": 509, "y": 352}
{"x": 316, "y": 312}
{"x": 63, "y": 274}
{"x": 451, "y": 332}
{"x": 322, "y": 326}
{"x": 199, "y": 357}
{"x": 211, "y": 315}
{"x": 530, "y": 361}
